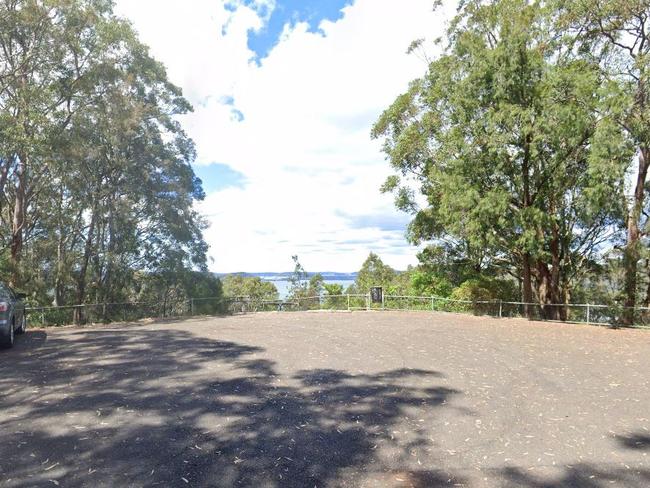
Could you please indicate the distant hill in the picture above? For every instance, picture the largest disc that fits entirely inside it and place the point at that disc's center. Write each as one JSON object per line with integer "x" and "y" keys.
{"x": 272, "y": 276}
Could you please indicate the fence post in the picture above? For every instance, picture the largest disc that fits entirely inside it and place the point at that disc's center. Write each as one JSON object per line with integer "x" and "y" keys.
{"x": 192, "y": 307}
{"x": 500, "y": 308}
{"x": 348, "y": 295}
{"x": 588, "y": 314}
{"x": 368, "y": 302}
{"x": 383, "y": 300}
{"x": 433, "y": 307}
{"x": 42, "y": 318}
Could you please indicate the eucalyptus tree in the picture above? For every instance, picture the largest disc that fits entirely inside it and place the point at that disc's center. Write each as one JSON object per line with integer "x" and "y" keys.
{"x": 133, "y": 180}
{"x": 497, "y": 137}
{"x": 253, "y": 287}
{"x": 50, "y": 54}
{"x": 97, "y": 188}
{"x": 374, "y": 272}
{"x": 617, "y": 34}
{"x": 298, "y": 285}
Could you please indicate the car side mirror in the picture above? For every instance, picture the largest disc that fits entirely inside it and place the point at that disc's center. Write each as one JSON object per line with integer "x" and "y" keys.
{"x": 21, "y": 296}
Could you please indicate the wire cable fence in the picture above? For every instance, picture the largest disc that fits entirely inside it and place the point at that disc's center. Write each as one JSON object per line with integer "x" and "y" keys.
{"x": 608, "y": 315}
{"x": 94, "y": 313}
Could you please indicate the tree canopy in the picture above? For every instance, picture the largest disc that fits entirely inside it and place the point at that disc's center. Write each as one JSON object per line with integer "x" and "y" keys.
{"x": 513, "y": 139}
{"x": 97, "y": 186}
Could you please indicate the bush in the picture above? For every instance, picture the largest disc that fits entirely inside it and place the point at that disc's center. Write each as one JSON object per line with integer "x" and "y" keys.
{"x": 486, "y": 289}
{"x": 430, "y": 284}
{"x": 482, "y": 289}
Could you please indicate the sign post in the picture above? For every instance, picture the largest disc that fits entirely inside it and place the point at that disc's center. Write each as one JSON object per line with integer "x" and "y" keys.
{"x": 377, "y": 295}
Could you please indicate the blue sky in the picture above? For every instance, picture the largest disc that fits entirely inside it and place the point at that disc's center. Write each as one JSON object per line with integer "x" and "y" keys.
{"x": 218, "y": 176}
{"x": 285, "y": 93}
{"x": 288, "y": 13}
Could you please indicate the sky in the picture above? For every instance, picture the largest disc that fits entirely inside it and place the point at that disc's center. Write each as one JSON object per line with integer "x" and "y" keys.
{"x": 285, "y": 93}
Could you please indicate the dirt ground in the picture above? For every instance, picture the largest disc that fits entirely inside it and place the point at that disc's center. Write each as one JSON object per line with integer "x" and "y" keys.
{"x": 363, "y": 399}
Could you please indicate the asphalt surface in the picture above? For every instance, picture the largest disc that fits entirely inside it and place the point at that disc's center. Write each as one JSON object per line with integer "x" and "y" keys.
{"x": 362, "y": 399}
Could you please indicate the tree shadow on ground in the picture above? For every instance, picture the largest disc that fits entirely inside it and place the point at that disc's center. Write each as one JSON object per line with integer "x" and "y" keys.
{"x": 639, "y": 441}
{"x": 146, "y": 407}
{"x": 583, "y": 475}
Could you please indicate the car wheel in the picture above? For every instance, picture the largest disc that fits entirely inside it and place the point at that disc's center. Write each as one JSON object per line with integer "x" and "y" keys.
{"x": 8, "y": 341}
{"x": 23, "y": 325}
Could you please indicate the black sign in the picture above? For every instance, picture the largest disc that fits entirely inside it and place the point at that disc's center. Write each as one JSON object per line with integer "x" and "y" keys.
{"x": 376, "y": 294}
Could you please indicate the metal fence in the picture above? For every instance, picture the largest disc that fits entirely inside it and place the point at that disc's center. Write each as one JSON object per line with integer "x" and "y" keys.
{"x": 572, "y": 313}
{"x": 609, "y": 315}
{"x": 131, "y": 311}
{"x": 122, "y": 311}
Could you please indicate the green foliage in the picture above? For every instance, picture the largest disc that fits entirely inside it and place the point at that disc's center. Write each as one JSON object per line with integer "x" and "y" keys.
{"x": 352, "y": 289}
{"x": 615, "y": 33}
{"x": 202, "y": 284}
{"x": 333, "y": 296}
{"x": 298, "y": 284}
{"x": 429, "y": 279}
{"x": 176, "y": 291}
{"x": 253, "y": 287}
{"x": 316, "y": 285}
{"x": 454, "y": 262}
{"x": 333, "y": 289}
{"x": 502, "y": 137}
{"x": 485, "y": 289}
{"x": 401, "y": 283}
{"x": 373, "y": 272}
{"x": 95, "y": 170}
{"x": 428, "y": 284}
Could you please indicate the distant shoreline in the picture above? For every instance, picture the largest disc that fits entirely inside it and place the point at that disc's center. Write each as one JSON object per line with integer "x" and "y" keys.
{"x": 283, "y": 276}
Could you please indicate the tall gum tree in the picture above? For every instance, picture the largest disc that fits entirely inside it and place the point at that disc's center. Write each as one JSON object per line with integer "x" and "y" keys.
{"x": 97, "y": 189}
{"x": 498, "y": 138}
{"x": 50, "y": 52}
{"x": 617, "y": 33}
{"x": 134, "y": 181}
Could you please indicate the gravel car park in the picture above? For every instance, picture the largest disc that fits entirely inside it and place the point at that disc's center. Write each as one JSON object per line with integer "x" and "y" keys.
{"x": 361, "y": 399}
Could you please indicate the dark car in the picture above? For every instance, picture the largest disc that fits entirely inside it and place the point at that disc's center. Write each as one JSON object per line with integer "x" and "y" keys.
{"x": 12, "y": 315}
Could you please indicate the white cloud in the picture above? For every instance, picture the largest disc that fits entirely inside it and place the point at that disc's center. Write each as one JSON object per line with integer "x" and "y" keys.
{"x": 303, "y": 144}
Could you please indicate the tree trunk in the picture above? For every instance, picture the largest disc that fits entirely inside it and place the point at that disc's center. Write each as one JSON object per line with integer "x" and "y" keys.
{"x": 549, "y": 293}
{"x": 4, "y": 173}
{"x": 632, "y": 253}
{"x": 60, "y": 253}
{"x": 543, "y": 286}
{"x": 81, "y": 281}
{"x": 527, "y": 278}
{"x": 18, "y": 222}
{"x": 58, "y": 281}
{"x": 527, "y": 286}
{"x": 557, "y": 311}
{"x": 646, "y": 302}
